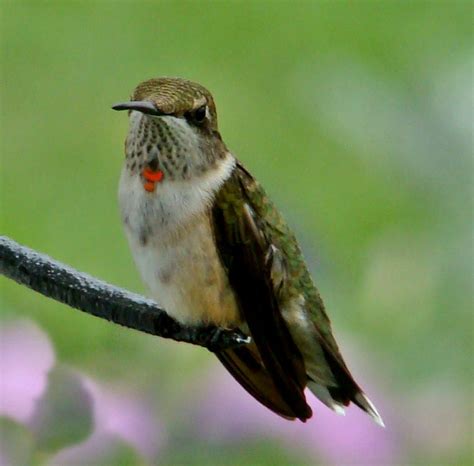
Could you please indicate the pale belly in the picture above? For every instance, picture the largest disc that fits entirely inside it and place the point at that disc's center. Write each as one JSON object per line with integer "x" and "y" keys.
{"x": 185, "y": 276}
{"x": 171, "y": 240}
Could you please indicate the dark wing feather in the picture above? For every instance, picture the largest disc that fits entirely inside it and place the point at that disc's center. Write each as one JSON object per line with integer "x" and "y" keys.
{"x": 246, "y": 366}
{"x": 243, "y": 247}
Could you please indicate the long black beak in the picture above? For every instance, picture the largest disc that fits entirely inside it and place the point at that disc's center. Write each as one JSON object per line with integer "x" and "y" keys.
{"x": 144, "y": 106}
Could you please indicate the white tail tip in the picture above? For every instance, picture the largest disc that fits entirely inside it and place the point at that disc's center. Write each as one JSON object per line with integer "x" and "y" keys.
{"x": 338, "y": 409}
{"x": 324, "y": 396}
{"x": 371, "y": 410}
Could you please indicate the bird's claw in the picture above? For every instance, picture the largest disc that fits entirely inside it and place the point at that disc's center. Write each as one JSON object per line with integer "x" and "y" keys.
{"x": 224, "y": 338}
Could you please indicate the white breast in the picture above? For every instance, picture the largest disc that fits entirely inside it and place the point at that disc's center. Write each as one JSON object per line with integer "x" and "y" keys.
{"x": 172, "y": 244}
{"x": 173, "y": 204}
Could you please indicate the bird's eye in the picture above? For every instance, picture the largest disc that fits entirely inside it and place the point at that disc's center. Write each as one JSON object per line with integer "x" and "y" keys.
{"x": 199, "y": 115}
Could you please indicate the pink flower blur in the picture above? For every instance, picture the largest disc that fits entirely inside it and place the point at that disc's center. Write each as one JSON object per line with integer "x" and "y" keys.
{"x": 26, "y": 356}
{"x": 228, "y": 413}
{"x": 117, "y": 417}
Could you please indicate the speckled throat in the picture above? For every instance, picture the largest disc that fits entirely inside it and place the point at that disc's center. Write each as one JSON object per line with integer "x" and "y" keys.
{"x": 172, "y": 145}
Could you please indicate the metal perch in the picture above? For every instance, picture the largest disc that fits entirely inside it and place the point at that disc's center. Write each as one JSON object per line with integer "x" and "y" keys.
{"x": 81, "y": 291}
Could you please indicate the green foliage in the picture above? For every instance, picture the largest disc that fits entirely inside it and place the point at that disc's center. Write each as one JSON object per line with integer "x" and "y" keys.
{"x": 16, "y": 442}
{"x": 65, "y": 400}
{"x": 356, "y": 117}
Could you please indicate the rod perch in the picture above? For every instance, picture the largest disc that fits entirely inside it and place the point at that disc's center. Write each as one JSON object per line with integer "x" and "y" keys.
{"x": 93, "y": 296}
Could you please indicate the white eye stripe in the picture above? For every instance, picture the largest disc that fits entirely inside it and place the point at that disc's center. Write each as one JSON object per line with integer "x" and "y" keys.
{"x": 199, "y": 102}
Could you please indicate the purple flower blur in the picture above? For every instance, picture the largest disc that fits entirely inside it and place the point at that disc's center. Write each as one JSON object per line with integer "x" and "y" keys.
{"x": 228, "y": 413}
{"x": 26, "y": 356}
{"x": 128, "y": 417}
{"x": 117, "y": 418}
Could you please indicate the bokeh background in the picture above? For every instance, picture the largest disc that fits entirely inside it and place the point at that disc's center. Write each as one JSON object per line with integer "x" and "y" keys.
{"x": 356, "y": 116}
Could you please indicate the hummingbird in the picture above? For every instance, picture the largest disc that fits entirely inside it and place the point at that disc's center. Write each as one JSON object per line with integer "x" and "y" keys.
{"x": 214, "y": 250}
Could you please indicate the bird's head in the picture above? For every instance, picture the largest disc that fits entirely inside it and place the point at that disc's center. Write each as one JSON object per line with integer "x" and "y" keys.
{"x": 173, "y": 127}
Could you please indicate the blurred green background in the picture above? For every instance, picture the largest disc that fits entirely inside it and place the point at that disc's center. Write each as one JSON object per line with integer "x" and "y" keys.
{"x": 356, "y": 116}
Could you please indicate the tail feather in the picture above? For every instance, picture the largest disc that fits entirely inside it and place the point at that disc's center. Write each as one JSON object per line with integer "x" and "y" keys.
{"x": 322, "y": 393}
{"x": 246, "y": 366}
{"x": 364, "y": 403}
{"x": 347, "y": 389}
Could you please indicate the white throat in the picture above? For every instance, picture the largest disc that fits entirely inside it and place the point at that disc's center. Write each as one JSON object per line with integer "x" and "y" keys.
{"x": 172, "y": 205}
